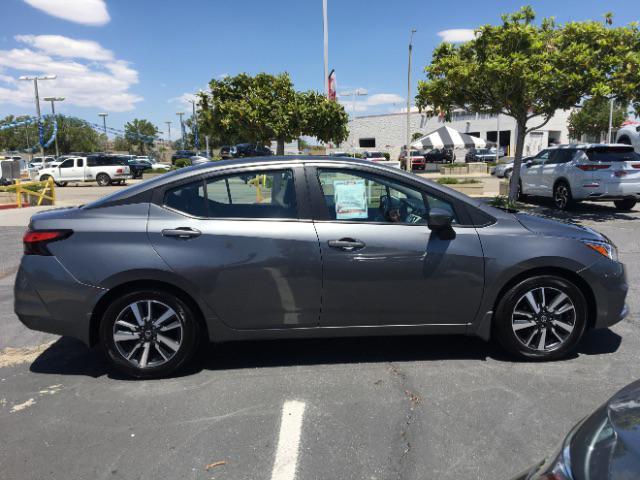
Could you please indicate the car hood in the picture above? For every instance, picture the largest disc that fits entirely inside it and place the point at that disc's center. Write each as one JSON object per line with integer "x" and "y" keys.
{"x": 623, "y": 411}
{"x": 554, "y": 228}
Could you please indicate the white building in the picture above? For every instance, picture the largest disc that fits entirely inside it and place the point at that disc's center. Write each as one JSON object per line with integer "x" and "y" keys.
{"x": 388, "y": 132}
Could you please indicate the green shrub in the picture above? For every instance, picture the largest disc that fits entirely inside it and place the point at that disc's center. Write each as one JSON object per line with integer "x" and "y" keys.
{"x": 502, "y": 202}
{"x": 182, "y": 162}
{"x": 456, "y": 181}
{"x": 387, "y": 155}
{"x": 157, "y": 170}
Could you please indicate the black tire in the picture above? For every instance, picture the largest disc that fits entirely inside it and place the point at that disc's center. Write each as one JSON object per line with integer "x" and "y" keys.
{"x": 507, "y": 320}
{"x": 103, "y": 180}
{"x": 507, "y": 174}
{"x": 61, "y": 184}
{"x": 187, "y": 338}
{"x": 562, "y": 197}
{"x": 625, "y": 204}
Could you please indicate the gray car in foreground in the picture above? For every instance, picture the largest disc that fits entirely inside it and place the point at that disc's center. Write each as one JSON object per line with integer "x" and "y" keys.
{"x": 605, "y": 445}
{"x": 285, "y": 247}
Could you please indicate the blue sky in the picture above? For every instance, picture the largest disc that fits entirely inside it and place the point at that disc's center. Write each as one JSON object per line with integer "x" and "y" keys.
{"x": 138, "y": 59}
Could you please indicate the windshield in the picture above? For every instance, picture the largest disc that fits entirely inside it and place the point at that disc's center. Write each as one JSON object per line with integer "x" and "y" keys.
{"x": 612, "y": 154}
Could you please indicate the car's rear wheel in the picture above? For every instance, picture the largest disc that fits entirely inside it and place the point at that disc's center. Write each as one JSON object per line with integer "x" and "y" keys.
{"x": 541, "y": 318}
{"x": 562, "y": 198}
{"x": 148, "y": 333}
{"x": 625, "y": 204}
{"x": 61, "y": 184}
{"x": 103, "y": 180}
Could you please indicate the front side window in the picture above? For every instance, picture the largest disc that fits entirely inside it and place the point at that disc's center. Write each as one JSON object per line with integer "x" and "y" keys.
{"x": 67, "y": 164}
{"x": 363, "y": 197}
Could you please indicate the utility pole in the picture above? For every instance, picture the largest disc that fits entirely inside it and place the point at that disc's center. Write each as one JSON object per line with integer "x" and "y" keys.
{"x": 53, "y": 100}
{"x": 408, "y": 149}
{"x": 498, "y": 138}
{"x": 169, "y": 132}
{"x": 196, "y": 137}
{"x": 180, "y": 114}
{"x": 104, "y": 129}
{"x": 325, "y": 24}
{"x": 35, "y": 87}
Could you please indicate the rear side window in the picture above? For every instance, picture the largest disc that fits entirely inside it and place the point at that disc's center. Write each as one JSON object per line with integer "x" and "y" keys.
{"x": 612, "y": 154}
{"x": 189, "y": 199}
{"x": 268, "y": 194}
{"x": 255, "y": 195}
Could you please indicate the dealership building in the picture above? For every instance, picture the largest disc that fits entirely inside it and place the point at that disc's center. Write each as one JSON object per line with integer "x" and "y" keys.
{"x": 388, "y": 132}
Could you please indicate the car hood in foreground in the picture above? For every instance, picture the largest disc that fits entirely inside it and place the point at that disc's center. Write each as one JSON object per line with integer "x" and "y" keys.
{"x": 624, "y": 415}
{"x": 554, "y": 228}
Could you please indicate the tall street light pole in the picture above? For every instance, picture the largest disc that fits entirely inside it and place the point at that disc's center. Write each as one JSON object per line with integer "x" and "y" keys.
{"x": 104, "y": 129}
{"x": 169, "y": 132}
{"x": 53, "y": 100}
{"x": 325, "y": 25}
{"x": 408, "y": 149}
{"x": 35, "y": 87}
{"x": 180, "y": 114}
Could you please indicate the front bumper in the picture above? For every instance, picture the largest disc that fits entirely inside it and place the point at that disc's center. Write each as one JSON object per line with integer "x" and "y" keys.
{"x": 49, "y": 299}
{"x": 608, "y": 281}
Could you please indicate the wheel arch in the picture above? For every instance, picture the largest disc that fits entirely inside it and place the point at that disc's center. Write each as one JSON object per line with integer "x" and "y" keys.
{"x": 564, "y": 273}
{"x": 114, "y": 292}
{"x": 625, "y": 139}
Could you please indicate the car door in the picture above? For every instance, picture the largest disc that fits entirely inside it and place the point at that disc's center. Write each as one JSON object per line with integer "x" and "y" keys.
{"x": 245, "y": 241}
{"x": 382, "y": 265}
{"x": 66, "y": 170}
{"x": 553, "y": 168}
{"x": 531, "y": 173}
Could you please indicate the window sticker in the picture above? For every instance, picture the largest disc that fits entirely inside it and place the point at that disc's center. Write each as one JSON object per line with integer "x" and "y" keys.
{"x": 350, "y": 197}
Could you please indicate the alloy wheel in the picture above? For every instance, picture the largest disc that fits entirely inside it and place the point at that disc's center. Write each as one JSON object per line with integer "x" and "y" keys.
{"x": 147, "y": 333}
{"x": 543, "y": 319}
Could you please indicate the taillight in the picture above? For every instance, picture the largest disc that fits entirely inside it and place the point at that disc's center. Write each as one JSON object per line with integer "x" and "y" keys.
{"x": 591, "y": 168}
{"x": 635, "y": 165}
{"x": 119, "y": 170}
{"x": 36, "y": 241}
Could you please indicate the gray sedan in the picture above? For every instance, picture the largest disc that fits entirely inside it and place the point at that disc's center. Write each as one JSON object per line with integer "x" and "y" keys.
{"x": 301, "y": 247}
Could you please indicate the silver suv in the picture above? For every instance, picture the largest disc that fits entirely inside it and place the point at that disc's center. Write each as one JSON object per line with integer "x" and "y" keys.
{"x": 570, "y": 173}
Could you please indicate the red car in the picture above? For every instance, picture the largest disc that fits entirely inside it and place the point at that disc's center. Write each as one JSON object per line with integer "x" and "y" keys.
{"x": 418, "y": 161}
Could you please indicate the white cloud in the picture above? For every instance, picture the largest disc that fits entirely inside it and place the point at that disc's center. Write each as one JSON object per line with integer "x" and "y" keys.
{"x": 365, "y": 103}
{"x": 86, "y": 12}
{"x": 457, "y": 35}
{"x": 90, "y": 77}
{"x": 66, "y": 47}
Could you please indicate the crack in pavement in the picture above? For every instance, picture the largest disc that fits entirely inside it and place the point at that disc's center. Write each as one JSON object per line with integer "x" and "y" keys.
{"x": 402, "y": 464}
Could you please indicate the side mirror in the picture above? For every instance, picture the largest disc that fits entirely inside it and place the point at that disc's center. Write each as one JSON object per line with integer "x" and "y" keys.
{"x": 439, "y": 219}
{"x": 528, "y": 163}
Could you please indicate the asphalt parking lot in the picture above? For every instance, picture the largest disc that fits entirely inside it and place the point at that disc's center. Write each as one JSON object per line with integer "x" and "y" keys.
{"x": 375, "y": 408}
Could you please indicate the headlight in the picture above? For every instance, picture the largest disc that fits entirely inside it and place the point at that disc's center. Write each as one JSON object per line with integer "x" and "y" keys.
{"x": 605, "y": 249}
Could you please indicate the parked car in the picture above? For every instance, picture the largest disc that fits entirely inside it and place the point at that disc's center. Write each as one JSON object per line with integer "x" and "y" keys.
{"x": 341, "y": 154}
{"x": 103, "y": 169}
{"x": 417, "y": 160}
{"x": 243, "y": 150}
{"x": 374, "y": 156}
{"x": 483, "y": 154}
{"x": 40, "y": 162}
{"x": 138, "y": 167}
{"x": 504, "y": 169}
{"x": 605, "y": 445}
{"x": 152, "y": 163}
{"x": 571, "y": 173}
{"x": 151, "y": 270}
{"x": 440, "y": 155}
{"x": 181, "y": 154}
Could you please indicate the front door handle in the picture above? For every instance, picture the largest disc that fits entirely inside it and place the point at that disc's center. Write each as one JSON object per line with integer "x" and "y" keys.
{"x": 183, "y": 233}
{"x": 346, "y": 244}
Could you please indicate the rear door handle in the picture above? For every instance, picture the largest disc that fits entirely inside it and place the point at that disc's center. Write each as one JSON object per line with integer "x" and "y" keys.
{"x": 183, "y": 233}
{"x": 346, "y": 244}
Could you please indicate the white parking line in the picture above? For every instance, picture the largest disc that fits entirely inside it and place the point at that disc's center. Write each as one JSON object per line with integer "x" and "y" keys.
{"x": 284, "y": 467}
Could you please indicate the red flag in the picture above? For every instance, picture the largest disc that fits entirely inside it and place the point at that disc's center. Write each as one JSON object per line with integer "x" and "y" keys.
{"x": 332, "y": 90}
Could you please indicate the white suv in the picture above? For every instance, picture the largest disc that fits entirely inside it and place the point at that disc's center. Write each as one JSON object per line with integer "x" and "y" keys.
{"x": 570, "y": 173}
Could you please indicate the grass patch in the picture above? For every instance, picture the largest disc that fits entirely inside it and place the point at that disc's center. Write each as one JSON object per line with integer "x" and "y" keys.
{"x": 502, "y": 202}
{"x": 456, "y": 181}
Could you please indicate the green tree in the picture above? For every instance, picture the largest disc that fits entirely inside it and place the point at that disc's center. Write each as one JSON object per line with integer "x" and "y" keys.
{"x": 416, "y": 136}
{"x": 140, "y": 134}
{"x": 267, "y": 107}
{"x": 528, "y": 71}
{"x": 592, "y": 119}
{"x": 120, "y": 144}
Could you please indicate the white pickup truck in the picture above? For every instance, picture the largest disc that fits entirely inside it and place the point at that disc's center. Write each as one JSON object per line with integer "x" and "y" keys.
{"x": 103, "y": 169}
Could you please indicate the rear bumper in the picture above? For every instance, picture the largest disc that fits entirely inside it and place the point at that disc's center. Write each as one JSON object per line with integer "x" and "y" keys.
{"x": 608, "y": 282}
{"x": 610, "y": 191}
{"x": 49, "y": 299}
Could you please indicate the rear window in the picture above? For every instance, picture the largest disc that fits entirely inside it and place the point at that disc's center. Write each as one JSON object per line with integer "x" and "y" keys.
{"x": 612, "y": 154}
{"x": 376, "y": 155}
{"x": 106, "y": 161}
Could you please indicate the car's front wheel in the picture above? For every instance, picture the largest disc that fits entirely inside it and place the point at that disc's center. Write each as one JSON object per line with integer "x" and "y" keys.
{"x": 541, "y": 318}
{"x": 148, "y": 333}
{"x": 103, "y": 180}
{"x": 625, "y": 204}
